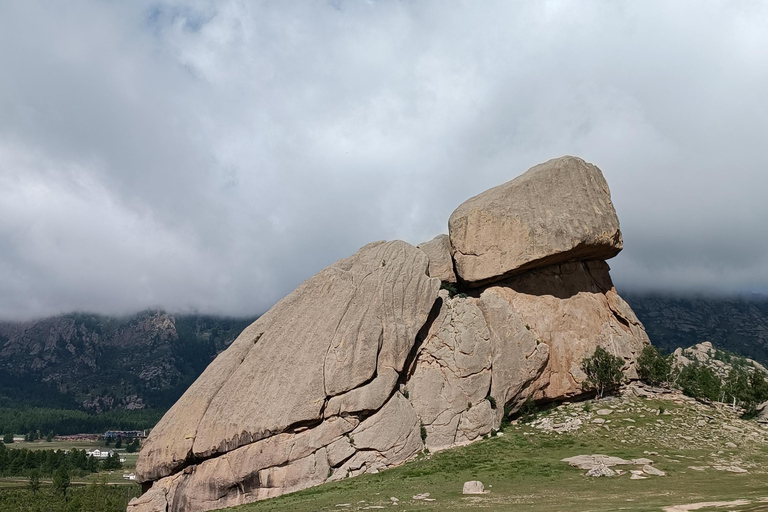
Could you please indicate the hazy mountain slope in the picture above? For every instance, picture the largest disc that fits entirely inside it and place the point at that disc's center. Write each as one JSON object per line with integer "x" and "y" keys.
{"x": 736, "y": 324}
{"x": 101, "y": 363}
{"x": 149, "y": 359}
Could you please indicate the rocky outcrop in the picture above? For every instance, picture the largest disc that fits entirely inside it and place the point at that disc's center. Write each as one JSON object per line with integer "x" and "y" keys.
{"x": 368, "y": 363}
{"x": 572, "y": 308}
{"x": 720, "y": 362}
{"x": 557, "y": 211}
{"x": 338, "y": 337}
{"x": 438, "y": 250}
{"x": 452, "y": 376}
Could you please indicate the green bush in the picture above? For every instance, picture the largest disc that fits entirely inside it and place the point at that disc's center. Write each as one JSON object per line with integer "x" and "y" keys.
{"x": 746, "y": 388}
{"x": 603, "y": 371}
{"x": 652, "y": 367}
{"x": 699, "y": 381}
{"x": 528, "y": 412}
{"x": 452, "y": 290}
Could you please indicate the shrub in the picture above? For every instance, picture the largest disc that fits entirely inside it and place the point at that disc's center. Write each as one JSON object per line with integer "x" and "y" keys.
{"x": 652, "y": 367}
{"x": 452, "y": 290}
{"x": 508, "y": 410}
{"x": 491, "y": 401}
{"x": 699, "y": 381}
{"x": 528, "y": 411}
{"x": 603, "y": 371}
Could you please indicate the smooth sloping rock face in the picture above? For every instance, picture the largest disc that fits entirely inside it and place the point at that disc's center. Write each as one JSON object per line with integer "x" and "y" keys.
{"x": 572, "y": 308}
{"x": 557, "y": 211}
{"x": 342, "y": 336}
{"x": 438, "y": 250}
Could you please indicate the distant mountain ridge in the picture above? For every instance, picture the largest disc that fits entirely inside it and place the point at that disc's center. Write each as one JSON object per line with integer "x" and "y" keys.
{"x": 736, "y": 324}
{"x": 99, "y": 363}
{"x": 147, "y": 360}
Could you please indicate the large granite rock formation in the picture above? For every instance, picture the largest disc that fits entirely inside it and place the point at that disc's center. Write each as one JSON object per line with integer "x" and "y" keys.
{"x": 367, "y": 363}
{"x": 557, "y": 211}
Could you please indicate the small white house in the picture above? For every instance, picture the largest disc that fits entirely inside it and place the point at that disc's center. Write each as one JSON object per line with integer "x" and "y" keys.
{"x": 99, "y": 454}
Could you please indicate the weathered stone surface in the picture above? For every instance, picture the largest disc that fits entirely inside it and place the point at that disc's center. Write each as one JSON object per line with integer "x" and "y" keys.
{"x": 393, "y": 432}
{"x": 365, "y": 398}
{"x": 601, "y": 470}
{"x": 266, "y": 468}
{"x": 453, "y": 375}
{"x": 438, "y": 250}
{"x": 762, "y": 413}
{"x": 650, "y": 470}
{"x": 572, "y": 308}
{"x": 153, "y": 500}
{"x": 473, "y": 487}
{"x": 518, "y": 358}
{"x": 344, "y": 334}
{"x": 557, "y": 211}
{"x": 591, "y": 461}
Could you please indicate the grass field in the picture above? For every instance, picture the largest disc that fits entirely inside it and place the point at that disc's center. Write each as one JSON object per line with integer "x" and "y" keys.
{"x": 693, "y": 443}
{"x": 109, "y": 477}
{"x": 523, "y": 472}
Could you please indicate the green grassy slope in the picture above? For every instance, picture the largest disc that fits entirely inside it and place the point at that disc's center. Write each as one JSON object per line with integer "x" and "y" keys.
{"x": 523, "y": 472}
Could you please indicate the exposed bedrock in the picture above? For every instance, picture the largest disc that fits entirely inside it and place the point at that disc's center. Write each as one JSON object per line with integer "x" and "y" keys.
{"x": 572, "y": 308}
{"x": 368, "y": 362}
{"x": 337, "y": 338}
{"x": 557, "y": 211}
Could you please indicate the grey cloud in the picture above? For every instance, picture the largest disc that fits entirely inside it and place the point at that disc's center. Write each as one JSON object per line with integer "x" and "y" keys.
{"x": 211, "y": 155}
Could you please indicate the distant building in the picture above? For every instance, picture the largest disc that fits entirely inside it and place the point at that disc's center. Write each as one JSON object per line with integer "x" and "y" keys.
{"x": 125, "y": 434}
{"x": 77, "y": 437}
{"x": 99, "y": 454}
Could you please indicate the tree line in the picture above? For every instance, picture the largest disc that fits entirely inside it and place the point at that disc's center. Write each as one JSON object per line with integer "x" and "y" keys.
{"x": 67, "y": 421}
{"x": 744, "y": 385}
{"x": 24, "y": 462}
{"x": 84, "y": 498}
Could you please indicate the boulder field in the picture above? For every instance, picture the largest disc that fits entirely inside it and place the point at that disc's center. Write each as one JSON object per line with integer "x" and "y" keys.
{"x": 369, "y": 362}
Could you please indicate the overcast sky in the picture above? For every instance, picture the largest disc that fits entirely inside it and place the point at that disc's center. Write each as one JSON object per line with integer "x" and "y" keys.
{"x": 210, "y": 156}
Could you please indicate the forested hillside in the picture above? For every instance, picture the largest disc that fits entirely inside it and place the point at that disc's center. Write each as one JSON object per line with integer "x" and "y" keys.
{"x": 98, "y": 363}
{"x": 736, "y": 324}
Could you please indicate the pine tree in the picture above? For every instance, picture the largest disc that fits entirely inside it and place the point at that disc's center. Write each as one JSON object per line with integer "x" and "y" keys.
{"x": 61, "y": 480}
{"x": 34, "y": 481}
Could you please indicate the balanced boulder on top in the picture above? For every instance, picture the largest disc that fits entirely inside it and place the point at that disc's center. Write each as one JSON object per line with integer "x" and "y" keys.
{"x": 557, "y": 211}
